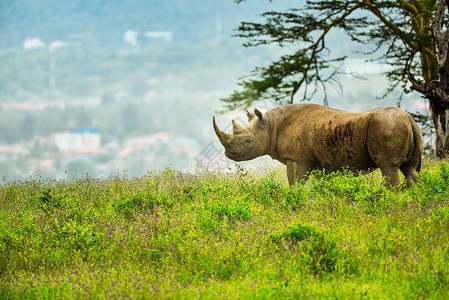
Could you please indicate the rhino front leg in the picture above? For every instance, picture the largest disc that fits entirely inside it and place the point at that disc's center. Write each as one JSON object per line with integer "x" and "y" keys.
{"x": 291, "y": 172}
{"x": 296, "y": 172}
{"x": 391, "y": 175}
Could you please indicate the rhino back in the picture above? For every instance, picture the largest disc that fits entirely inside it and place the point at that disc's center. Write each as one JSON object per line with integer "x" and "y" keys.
{"x": 326, "y": 137}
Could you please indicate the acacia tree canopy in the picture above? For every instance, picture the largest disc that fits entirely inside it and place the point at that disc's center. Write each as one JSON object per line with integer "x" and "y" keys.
{"x": 411, "y": 36}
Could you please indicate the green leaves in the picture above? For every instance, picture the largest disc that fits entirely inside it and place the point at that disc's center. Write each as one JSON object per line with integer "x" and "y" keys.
{"x": 396, "y": 35}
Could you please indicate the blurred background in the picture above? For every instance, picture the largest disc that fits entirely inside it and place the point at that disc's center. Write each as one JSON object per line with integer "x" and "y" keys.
{"x": 96, "y": 87}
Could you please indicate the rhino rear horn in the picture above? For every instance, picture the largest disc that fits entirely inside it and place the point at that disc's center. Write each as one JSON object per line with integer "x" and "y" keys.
{"x": 249, "y": 115}
{"x": 224, "y": 137}
{"x": 237, "y": 128}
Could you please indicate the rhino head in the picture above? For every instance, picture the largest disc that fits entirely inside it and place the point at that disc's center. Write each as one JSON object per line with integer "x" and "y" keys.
{"x": 246, "y": 143}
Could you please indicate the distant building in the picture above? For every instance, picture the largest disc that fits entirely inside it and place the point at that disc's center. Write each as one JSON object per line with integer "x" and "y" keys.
{"x": 13, "y": 151}
{"x": 36, "y": 164}
{"x": 167, "y": 36}
{"x": 145, "y": 143}
{"x": 132, "y": 37}
{"x": 61, "y": 104}
{"x": 85, "y": 139}
{"x": 33, "y": 43}
{"x": 56, "y": 44}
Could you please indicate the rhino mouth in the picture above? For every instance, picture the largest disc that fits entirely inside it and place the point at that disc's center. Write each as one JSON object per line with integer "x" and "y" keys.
{"x": 233, "y": 154}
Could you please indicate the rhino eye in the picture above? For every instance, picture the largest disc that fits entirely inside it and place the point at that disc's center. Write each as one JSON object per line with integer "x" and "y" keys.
{"x": 248, "y": 142}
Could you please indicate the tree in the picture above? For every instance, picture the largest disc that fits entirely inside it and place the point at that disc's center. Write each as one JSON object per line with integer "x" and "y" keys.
{"x": 412, "y": 36}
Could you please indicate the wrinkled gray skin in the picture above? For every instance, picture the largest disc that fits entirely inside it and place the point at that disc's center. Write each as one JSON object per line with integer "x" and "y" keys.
{"x": 306, "y": 137}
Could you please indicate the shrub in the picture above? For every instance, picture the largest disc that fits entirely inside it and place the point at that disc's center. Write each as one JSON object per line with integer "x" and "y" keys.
{"x": 436, "y": 182}
{"x": 139, "y": 202}
{"x": 212, "y": 214}
{"x": 48, "y": 202}
{"x": 318, "y": 250}
{"x": 74, "y": 238}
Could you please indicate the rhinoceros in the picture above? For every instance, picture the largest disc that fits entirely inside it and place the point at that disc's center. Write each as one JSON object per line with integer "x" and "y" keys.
{"x": 306, "y": 137}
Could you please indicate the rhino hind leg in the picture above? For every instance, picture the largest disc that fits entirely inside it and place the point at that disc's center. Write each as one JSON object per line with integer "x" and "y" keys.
{"x": 393, "y": 145}
{"x": 411, "y": 174}
{"x": 391, "y": 175}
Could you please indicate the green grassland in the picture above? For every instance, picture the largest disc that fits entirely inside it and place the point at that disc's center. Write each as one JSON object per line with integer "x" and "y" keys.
{"x": 237, "y": 235}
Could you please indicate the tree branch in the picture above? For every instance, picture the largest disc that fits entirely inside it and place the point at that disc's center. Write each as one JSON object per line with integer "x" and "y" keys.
{"x": 320, "y": 40}
{"x": 442, "y": 41}
{"x": 408, "y": 7}
{"x": 430, "y": 89}
{"x": 390, "y": 25}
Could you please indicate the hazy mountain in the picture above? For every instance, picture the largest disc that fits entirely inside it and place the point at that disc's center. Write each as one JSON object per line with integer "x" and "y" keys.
{"x": 96, "y": 22}
{"x": 146, "y": 75}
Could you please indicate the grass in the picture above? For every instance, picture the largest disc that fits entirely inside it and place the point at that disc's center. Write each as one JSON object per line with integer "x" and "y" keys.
{"x": 213, "y": 235}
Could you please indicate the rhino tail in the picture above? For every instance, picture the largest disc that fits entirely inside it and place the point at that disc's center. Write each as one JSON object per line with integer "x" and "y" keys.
{"x": 418, "y": 148}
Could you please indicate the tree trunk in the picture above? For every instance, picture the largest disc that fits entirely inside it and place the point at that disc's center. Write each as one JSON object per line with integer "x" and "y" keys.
{"x": 437, "y": 91}
{"x": 442, "y": 120}
{"x": 440, "y": 117}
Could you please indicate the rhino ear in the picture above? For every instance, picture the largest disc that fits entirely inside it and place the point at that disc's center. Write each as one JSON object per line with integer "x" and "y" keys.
{"x": 259, "y": 115}
{"x": 249, "y": 115}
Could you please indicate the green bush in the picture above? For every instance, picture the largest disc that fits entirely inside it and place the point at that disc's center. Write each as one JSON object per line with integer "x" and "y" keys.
{"x": 50, "y": 202}
{"x": 317, "y": 250}
{"x": 436, "y": 182}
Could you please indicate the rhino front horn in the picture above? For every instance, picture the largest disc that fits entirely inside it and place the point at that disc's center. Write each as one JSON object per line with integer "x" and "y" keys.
{"x": 224, "y": 137}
